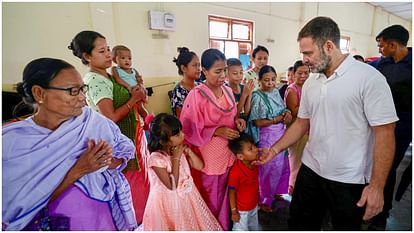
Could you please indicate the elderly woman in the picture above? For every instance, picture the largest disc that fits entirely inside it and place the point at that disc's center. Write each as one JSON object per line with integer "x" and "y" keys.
{"x": 62, "y": 166}
{"x": 115, "y": 102}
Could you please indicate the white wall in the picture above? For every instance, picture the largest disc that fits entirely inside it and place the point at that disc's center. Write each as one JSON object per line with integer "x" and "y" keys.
{"x": 32, "y": 30}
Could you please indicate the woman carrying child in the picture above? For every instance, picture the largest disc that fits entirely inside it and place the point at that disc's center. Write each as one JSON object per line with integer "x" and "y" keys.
{"x": 115, "y": 102}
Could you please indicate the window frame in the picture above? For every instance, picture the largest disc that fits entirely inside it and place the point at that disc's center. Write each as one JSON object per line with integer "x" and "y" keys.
{"x": 230, "y": 22}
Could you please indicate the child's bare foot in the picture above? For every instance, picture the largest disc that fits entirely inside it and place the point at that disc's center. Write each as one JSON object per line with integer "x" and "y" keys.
{"x": 265, "y": 208}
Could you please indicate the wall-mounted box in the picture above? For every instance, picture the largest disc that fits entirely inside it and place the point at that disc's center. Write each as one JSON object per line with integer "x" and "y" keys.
{"x": 159, "y": 20}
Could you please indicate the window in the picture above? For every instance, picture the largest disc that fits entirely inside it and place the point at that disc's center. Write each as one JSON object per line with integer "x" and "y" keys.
{"x": 345, "y": 44}
{"x": 233, "y": 37}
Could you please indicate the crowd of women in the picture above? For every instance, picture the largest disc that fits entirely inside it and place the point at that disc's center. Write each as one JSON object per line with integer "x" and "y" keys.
{"x": 86, "y": 164}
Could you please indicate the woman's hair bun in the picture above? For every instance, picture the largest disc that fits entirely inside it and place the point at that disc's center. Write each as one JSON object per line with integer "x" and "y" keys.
{"x": 20, "y": 89}
{"x": 74, "y": 52}
{"x": 184, "y": 57}
{"x": 184, "y": 50}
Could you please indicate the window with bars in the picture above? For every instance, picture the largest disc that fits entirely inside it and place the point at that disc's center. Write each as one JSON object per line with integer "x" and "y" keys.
{"x": 233, "y": 37}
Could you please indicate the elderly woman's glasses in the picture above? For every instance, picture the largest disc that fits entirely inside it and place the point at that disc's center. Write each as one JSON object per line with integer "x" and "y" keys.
{"x": 73, "y": 91}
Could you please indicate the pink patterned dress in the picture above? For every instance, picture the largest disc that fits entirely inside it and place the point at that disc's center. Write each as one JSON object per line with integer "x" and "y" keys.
{"x": 182, "y": 209}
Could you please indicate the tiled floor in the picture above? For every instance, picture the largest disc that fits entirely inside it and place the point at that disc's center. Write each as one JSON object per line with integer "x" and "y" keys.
{"x": 400, "y": 217}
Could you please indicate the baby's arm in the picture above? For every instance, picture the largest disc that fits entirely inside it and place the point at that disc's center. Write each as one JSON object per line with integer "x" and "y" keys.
{"x": 143, "y": 112}
{"x": 119, "y": 80}
{"x": 138, "y": 77}
{"x": 194, "y": 161}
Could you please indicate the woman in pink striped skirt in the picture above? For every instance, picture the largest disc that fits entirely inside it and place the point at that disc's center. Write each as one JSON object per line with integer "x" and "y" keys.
{"x": 209, "y": 118}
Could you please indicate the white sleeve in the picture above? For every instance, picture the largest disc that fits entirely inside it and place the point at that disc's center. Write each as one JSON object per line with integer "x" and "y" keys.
{"x": 379, "y": 106}
{"x": 304, "y": 110}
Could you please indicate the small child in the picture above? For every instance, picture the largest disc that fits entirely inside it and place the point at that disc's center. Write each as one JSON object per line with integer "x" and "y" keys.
{"x": 127, "y": 76}
{"x": 174, "y": 203}
{"x": 242, "y": 93}
{"x": 123, "y": 73}
{"x": 244, "y": 185}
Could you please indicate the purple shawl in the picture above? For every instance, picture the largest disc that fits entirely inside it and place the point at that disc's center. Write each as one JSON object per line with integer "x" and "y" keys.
{"x": 36, "y": 159}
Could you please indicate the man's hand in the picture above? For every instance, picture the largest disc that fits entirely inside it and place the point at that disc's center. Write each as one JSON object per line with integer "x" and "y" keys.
{"x": 373, "y": 200}
{"x": 267, "y": 154}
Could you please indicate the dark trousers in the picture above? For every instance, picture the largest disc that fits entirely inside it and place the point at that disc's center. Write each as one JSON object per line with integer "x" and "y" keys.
{"x": 403, "y": 138}
{"x": 314, "y": 195}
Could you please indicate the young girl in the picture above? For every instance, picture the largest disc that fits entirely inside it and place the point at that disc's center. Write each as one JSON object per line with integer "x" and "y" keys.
{"x": 188, "y": 66}
{"x": 267, "y": 124}
{"x": 114, "y": 101}
{"x": 174, "y": 203}
{"x": 127, "y": 76}
{"x": 242, "y": 93}
{"x": 292, "y": 100}
{"x": 260, "y": 57}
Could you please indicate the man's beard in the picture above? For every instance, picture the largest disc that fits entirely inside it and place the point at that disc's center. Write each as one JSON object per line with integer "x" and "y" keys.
{"x": 323, "y": 63}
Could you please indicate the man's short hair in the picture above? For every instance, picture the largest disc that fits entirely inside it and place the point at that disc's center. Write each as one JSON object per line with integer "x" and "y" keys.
{"x": 321, "y": 29}
{"x": 394, "y": 33}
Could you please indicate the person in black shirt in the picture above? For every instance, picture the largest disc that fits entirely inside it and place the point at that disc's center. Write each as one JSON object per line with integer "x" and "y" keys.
{"x": 396, "y": 66}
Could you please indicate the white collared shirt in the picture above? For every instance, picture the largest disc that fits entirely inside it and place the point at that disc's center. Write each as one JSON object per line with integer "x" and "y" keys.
{"x": 341, "y": 110}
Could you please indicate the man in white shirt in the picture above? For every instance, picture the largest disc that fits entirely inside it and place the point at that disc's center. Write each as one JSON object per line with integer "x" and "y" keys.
{"x": 348, "y": 109}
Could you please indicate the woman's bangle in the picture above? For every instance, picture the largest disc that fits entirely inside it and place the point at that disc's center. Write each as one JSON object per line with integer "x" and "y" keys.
{"x": 129, "y": 106}
{"x": 176, "y": 158}
{"x": 233, "y": 209}
{"x": 272, "y": 150}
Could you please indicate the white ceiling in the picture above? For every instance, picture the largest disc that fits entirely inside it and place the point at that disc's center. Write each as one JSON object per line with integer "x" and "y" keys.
{"x": 401, "y": 9}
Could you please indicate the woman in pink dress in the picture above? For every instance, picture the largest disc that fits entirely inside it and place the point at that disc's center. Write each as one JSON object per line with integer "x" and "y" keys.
{"x": 292, "y": 99}
{"x": 174, "y": 203}
{"x": 209, "y": 118}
